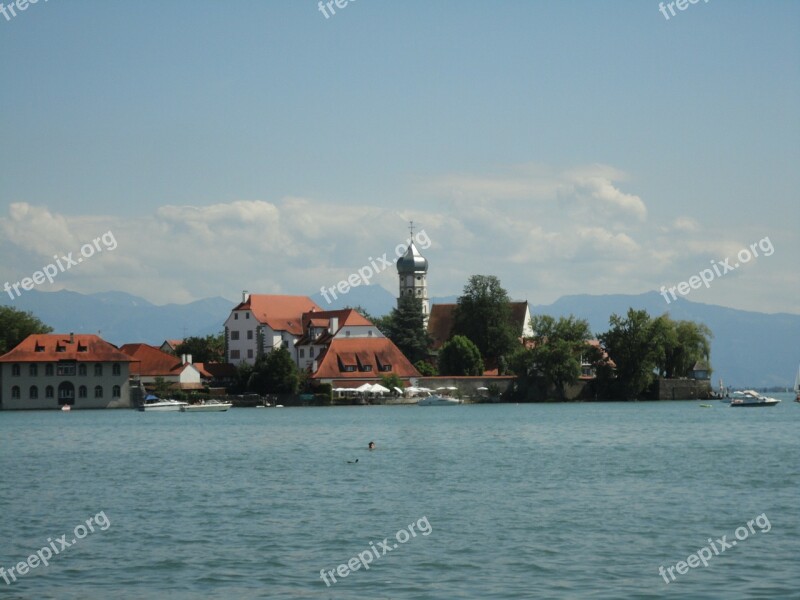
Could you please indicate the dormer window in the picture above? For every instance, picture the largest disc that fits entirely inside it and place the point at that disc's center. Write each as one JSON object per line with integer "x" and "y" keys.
{"x": 82, "y": 347}
{"x": 60, "y": 348}
{"x": 38, "y": 348}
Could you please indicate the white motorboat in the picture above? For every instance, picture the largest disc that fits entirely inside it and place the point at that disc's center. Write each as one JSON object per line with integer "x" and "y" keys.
{"x": 158, "y": 405}
{"x": 750, "y": 398}
{"x": 438, "y": 401}
{"x": 210, "y": 406}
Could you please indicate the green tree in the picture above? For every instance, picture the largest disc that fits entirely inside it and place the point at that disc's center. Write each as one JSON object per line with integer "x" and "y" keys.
{"x": 391, "y": 381}
{"x": 16, "y": 325}
{"x": 483, "y": 314}
{"x": 425, "y": 368}
{"x": 635, "y": 344}
{"x": 682, "y": 344}
{"x": 459, "y": 356}
{"x": 406, "y": 328}
{"x": 555, "y": 356}
{"x": 274, "y": 373}
{"x": 210, "y": 348}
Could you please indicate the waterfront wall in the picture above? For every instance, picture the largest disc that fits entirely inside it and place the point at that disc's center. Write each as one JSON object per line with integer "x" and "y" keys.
{"x": 682, "y": 389}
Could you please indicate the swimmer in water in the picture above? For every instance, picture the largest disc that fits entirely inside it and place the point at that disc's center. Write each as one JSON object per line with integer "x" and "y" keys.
{"x": 371, "y": 446}
{"x": 352, "y": 461}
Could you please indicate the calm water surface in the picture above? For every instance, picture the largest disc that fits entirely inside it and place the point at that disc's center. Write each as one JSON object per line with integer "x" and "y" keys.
{"x": 523, "y": 501}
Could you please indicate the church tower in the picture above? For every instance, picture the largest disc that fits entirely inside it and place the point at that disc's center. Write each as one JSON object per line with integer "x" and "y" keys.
{"x": 412, "y": 269}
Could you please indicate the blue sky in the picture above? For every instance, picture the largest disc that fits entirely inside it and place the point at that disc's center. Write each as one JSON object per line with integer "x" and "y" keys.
{"x": 567, "y": 147}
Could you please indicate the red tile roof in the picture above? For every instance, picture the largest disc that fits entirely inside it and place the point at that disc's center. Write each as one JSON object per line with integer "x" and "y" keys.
{"x": 152, "y": 362}
{"x": 346, "y": 316}
{"x": 58, "y": 346}
{"x": 361, "y": 352}
{"x": 281, "y": 313}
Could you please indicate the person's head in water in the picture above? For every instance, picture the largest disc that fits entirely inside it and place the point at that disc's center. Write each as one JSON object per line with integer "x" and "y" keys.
{"x": 371, "y": 446}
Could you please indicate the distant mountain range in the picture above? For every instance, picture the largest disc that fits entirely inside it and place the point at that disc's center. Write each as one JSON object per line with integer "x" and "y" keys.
{"x": 122, "y": 318}
{"x": 749, "y": 348}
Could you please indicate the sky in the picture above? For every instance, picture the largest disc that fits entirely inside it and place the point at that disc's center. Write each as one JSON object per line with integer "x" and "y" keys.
{"x": 574, "y": 147}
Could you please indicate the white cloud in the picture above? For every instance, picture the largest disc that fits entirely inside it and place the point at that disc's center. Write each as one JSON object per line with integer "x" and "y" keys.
{"x": 545, "y": 233}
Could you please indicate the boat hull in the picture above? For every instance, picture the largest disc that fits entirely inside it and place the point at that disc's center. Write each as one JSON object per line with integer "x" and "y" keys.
{"x": 206, "y": 407}
{"x": 438, "y": 401}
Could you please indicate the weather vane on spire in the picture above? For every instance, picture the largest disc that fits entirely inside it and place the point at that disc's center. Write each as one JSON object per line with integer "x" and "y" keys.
{"x": 411, "y": 228}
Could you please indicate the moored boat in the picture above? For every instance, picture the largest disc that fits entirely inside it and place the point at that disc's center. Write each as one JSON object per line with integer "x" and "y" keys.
{"x": 210, "y": 406}
{"x": 153, "y": 404}
{"x": 750, "y": 398}
{"x": 438, "y": 401}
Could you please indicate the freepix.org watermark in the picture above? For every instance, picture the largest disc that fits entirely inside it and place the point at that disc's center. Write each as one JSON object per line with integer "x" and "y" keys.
{"x": 680, "y": 4}
{"x": 365, "y": 558}
{"x": 13, "y": 7}
{"x": 43, "y": 556}
{"x": 367, "y": 272}
{"x": 704, "y": 554}
{"x": 330, "y": 4}
{"x": 65, "y": 263}
{"x": 706, "y": 276}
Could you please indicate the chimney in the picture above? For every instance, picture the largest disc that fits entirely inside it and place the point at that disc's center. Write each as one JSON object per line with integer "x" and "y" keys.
{"x": 189, "y": 358}
{"x": 183, "y": 359}
{"x": 334, "y": 326}
{"x": 245, "y": 296}
{"x": 71, "y": 338}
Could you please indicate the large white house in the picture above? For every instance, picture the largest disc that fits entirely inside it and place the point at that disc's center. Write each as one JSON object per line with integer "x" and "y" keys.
{"x": 53, "y": 370}
{"x": 264, "y": 322}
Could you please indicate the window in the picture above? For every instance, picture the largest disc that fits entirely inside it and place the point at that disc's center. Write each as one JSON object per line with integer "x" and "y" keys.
{"x": 386, "y": 367}
{"x": 234, "y": 335}
{"x": 234, "y": 354}
{"x": 48, "y": 370}
{"x": 349, "y": 368}
{"x": 235, "y": 316}
{"x": 311, "y": 352}
{"x": 250, "y": 353}
{"x": 116, "y": 392}
{"x": 249, "y": 334}
{"x": 98, "y": 372}
{"x": 66, "y": 369}
{"x": 302, "y": 352}
{"x": 60, "y": 348}
{"x": 246, "y": 315}
{"x": 33, "y": 371}
{"x": 82, "y": 392}
{"x": 15, "y": 370}
{"x": 15, "y": 392}
{"x": 34, "y": 392}
{"x": 49, "y": 392}
{"x": 82, "y": 370}
{"x": 116, "y": 370}
{"x": 369, "y": 333}
{"x": 98, "y": 391}
{"x": 347, "y": 333}
{"x": 38, "y": 348}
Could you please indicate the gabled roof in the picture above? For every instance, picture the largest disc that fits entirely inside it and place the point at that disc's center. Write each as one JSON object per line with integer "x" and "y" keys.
{"x": 151, "y": 361}
{"x": 440, "y": 321}
{"x": 363, "y": 352}
{"x": 281, "y": 313}
{"x": 172, "y": 343}
{"x": 347, "y": 317}
{"x": 58, "y": 346}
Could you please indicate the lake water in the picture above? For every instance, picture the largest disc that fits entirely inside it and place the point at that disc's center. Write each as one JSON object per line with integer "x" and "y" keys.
{"x": 507, "y": 501}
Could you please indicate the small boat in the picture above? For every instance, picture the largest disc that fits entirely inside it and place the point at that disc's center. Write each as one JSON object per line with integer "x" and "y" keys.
{"x": 706, "y": 406}
{"x": 167, "y": 405}
{"x": 438, "y": 401}
{"x": 750, "y": 398}
{"x": 66, "y": 408}
{"x": 210, "y": 406}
